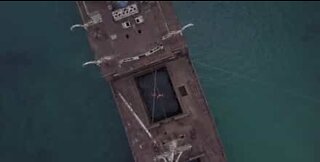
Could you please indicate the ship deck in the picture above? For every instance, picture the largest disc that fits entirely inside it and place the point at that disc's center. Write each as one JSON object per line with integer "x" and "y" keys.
{"x": 161, "y": 89}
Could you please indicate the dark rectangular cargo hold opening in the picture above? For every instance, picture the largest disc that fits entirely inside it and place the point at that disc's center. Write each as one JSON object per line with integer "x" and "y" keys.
{"x": 158, "y": 95}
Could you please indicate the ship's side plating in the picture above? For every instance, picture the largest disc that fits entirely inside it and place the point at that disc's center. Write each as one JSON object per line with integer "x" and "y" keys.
{"x": 140, "y": 48}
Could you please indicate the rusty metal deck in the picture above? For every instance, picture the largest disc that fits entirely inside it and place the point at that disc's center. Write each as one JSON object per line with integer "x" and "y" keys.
{"x": 126, "y": 51}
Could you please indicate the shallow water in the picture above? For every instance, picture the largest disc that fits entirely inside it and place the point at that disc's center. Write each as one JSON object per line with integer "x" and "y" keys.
{"x": 258, "y": 63}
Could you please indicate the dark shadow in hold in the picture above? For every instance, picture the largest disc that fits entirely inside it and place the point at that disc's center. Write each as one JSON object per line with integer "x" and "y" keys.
{"x": 162, "y": 103}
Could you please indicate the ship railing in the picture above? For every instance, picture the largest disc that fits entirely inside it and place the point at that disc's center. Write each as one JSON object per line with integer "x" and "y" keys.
{"x": 148, "y": 53}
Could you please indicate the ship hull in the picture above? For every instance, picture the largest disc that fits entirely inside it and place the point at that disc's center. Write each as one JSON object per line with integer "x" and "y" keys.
{"x": 159, "y": 96}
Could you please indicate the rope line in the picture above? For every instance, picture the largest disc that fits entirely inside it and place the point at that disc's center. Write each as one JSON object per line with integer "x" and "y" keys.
{"x": 288, "y": 91}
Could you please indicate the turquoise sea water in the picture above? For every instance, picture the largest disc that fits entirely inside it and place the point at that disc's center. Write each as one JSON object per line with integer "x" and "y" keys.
{"x": 258, "y": 63}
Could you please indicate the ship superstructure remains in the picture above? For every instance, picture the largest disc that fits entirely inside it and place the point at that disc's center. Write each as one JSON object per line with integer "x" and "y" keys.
{"x": 140, "y": 49}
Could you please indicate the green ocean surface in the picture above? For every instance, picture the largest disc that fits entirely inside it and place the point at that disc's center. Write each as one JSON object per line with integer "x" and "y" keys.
{"x": 258, "y": 63}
